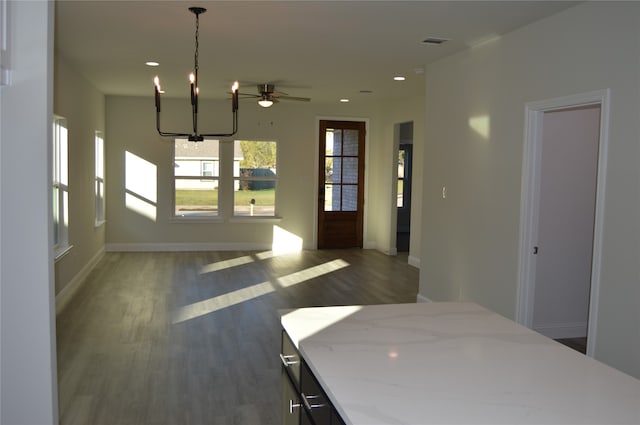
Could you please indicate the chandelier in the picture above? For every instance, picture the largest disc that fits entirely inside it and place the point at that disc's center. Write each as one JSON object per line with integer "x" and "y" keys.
{"x": 195, "y": 135}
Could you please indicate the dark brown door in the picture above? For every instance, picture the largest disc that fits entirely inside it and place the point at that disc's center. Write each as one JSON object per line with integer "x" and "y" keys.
{"x": 341, "y": 184}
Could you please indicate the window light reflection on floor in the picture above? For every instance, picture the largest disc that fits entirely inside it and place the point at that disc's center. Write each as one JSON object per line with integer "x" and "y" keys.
{"x": 238, "y": 296}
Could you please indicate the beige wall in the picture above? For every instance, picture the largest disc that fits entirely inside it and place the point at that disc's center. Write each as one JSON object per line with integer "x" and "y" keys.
{"x": 470, "y": 240}
{"x": 84, "y": 108}
{"x": 131, "y": 127}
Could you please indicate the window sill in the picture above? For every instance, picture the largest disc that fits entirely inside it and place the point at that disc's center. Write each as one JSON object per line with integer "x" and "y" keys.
{"x": 255, "y": 219}
{"x": 61, "y": 252}
{"x": 177, "y": 219}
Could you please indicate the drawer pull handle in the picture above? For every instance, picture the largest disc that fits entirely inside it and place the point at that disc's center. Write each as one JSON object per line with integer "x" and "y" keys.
{"x": 309, "y": 406}
{"x": 286, "y": 360}
{"x": 292, "y": 406}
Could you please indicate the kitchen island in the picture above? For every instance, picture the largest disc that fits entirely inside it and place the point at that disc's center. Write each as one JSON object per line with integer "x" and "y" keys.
{"x": 446, "y": 363}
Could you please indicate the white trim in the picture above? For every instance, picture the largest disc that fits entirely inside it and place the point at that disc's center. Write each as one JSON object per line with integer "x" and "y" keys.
{"x": 422, "y": 299}
{"x": 266, "y": 219}
{"x": 66, "y": 294}
{"x": 365, "y": 244}
{"x": 530, "y": 193}
{"x": 414, "y": 261}
{"x": 181, "y": 247}
{"x": 392, "y": 251}
{"x": 562, "y": 330}
{"x": 61, "y": 251}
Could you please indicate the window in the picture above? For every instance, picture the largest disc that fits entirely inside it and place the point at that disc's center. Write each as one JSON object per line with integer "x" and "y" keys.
{"x": 207, "y": 168}
{"x": 99, "y": 178}
{"x": 254, "y": 175}
{"x": 196, "y": 177}
{"x": 60, "y": 187}
{"x": 401, "y": 178}
{"x": 405, "y": 154}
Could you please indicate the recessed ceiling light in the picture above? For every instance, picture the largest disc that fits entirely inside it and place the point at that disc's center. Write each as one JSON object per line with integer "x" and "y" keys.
{"x": 399, "y": 78}
{"x": 151, "y": 63}
{"x": 344, "y": 100}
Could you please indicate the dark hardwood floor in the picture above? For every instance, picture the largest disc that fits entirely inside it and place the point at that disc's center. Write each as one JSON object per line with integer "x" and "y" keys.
{"x": 193, "y": 338}
{"x": 578, "y": 344}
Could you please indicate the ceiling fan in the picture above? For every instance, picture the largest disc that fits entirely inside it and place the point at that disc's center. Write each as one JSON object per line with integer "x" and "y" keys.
{"x": 267, "y": 95}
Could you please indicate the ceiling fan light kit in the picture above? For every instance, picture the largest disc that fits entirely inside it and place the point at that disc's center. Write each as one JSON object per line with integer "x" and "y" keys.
{"x": 195, "y": 135}
{"x": 267, "y": 95}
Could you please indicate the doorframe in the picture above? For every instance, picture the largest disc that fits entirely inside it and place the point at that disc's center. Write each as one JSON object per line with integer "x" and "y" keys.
{"x": 316, "y": 161}
{"x": 530, "y": 196}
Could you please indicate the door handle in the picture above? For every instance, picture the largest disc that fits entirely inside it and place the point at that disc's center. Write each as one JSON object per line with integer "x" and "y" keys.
{"x": 535, "y": 250}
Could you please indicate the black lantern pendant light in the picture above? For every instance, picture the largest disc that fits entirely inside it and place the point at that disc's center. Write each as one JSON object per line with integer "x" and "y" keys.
{"x": 195, "y": 135}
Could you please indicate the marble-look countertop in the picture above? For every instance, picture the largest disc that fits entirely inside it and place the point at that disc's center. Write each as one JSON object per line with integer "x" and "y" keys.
{"x": 453, "y": 363}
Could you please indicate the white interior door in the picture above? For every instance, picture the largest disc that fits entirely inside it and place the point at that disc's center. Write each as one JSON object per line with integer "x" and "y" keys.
{"x": 567, "y": 201}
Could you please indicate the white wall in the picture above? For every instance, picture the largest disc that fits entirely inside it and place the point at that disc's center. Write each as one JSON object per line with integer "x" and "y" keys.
{"x": 131, "y": 127}
{"x": 84, "y": 108}
{"x": 29, "y": 384}
{"x": 470, "y": 240}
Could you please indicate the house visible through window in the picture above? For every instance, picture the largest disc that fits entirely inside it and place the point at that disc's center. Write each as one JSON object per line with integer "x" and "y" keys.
{"x": 60, "y": 187}
{"x": 196, "y": 177}
{"x": 255, "y": 178}
{"x": 198, "y": 181}
{"x": 207, "y": 168}
{"x": 99, "y": 187}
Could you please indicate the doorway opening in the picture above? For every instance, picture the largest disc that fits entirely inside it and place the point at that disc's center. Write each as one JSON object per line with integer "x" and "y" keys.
{"x": 561, "y": 215}
{"x": 403, "y": 195}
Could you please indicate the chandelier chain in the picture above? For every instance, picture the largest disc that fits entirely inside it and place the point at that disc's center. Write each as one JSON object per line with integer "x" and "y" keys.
{"x": 197, "y": 33}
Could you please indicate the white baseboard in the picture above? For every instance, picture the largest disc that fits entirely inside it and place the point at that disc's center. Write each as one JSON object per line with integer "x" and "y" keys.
{"x": 66, "y": 293}
{"x": 179, "y": 247}
{"x": 422, "y": 299}
{"x": 562, "y": 330}
{"x": 414, "y": 261}
{"x": 369, "y": 245}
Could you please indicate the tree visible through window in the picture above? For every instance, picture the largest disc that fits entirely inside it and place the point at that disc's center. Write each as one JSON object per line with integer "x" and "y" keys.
{"x": 255, "y": 178}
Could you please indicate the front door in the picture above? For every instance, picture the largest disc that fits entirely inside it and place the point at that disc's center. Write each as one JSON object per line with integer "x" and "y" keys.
{"x": 341, "y": 184}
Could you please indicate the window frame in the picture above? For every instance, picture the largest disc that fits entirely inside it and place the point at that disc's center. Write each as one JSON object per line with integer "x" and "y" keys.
{"x": 60, "y": 186}
{"x": 238, "y": 179}
{"x": 199, "y": 177}
{"x": 99, "y": 182}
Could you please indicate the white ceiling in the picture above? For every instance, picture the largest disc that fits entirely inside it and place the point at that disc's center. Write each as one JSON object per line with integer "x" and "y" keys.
{"x": 325, "y": 50}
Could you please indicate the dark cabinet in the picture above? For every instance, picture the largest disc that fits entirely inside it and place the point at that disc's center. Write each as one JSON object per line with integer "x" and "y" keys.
{"x": 303, "y": 399}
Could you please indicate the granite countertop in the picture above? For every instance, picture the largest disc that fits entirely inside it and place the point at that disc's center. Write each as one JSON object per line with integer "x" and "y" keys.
{"x": 445, "y": 363}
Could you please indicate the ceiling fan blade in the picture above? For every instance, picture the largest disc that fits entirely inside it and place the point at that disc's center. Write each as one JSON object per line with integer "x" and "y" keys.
{"x": 247, "y": 95}
{"x": 298, "y": 99}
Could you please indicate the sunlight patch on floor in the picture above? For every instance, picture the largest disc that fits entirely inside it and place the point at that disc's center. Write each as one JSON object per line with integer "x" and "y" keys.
{"x": 238, "y": 296}
{"x": 310, "y": 273}
{"x": 235, "y": 262}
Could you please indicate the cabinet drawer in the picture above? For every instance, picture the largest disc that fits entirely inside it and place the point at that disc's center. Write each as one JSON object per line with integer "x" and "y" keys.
{"x": 290, "y": 359}
{"x": 291, "y": 406}
{"x": 314, "y": 400}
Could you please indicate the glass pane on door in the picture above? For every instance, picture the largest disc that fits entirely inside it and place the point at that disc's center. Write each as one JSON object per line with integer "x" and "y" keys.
{"x": 333, "y": 143}
{"x": 349, "y": 198}
{"x": 350, "y": 145}
{"x": 332, "y": 197}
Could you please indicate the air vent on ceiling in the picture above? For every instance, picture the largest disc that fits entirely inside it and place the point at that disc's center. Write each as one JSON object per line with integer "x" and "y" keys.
{"x": 434, "y": 40}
